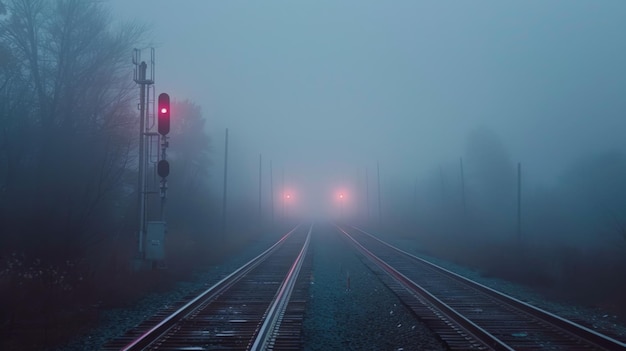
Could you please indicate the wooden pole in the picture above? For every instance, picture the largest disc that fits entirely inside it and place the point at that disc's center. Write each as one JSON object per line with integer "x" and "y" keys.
{"x": 260, "y": 185}
{"x": 272, "y": 189}
{"x": 380, "y": 216}
{"x": 367, "y": 194}
{"x": 463, "y": 188}
{"x": 225, "y": 181}
{"x": 519, "y": 201}
{"x": 443, "y": 186}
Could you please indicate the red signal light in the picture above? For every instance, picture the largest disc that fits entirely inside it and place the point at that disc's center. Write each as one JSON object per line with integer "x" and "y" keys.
{"x": 164, "y": 113}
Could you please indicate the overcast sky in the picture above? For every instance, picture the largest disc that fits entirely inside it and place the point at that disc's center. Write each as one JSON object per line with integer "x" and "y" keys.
{"x": 327, "y": 88}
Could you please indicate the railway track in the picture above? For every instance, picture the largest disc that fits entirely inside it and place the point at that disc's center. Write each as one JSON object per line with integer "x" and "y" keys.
{"x": 468, "y": 315}
{"x": 259, "y": 306}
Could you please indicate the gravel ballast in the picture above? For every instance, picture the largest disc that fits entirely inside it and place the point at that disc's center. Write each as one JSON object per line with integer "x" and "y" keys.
{"x": 364, "y": 315}
{"x": 115, "y": 322}
{"x": 349, "y": 307}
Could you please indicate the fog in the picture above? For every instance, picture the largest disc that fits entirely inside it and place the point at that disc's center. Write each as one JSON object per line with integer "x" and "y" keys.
{"x": 411, "y": 119}
{"x": 326, "y": 89}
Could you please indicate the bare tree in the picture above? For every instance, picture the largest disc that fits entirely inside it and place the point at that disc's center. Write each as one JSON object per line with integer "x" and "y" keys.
{"x": 66, "y": 113}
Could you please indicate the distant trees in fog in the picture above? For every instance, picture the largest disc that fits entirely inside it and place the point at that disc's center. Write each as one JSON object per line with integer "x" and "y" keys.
{"x": 189, "y": 201}
{"x": 490, "y": 172}
{"x": 67, "y": 128}
{"x": 585, "y": 206}
{"x": 69, "y": 133}
{"x": 593, "y": 198}
{"x": 573, "y": 230}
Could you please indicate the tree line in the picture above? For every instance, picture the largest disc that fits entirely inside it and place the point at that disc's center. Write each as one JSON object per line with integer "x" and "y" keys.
{"x": 69, "y": 131}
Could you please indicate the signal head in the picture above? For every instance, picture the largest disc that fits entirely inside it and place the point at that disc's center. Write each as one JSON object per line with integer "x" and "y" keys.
{"x": 164, "y": 113}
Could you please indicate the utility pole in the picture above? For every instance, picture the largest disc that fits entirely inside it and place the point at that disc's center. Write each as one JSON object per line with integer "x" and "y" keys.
{"x": 443, "y": 186}
{"x": 367, "y": 194}
{"x": 519, "y": 201}
{"x": 260, "y": 168}
{"x": 380, "y": 216}
{"x": 272, "y": 189}
{"x": 463, "y": 188}
{"x": 415, "y": 194}
{"x": 225, "y": 181}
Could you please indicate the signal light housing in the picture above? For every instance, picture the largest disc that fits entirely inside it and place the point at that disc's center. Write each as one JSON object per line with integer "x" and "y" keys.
{"x": 164, "y": 113}
{"x": 163, "y": 168}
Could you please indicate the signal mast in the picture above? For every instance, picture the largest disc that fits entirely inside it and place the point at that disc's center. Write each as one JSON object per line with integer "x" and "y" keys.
{"x": 151, "y": 234}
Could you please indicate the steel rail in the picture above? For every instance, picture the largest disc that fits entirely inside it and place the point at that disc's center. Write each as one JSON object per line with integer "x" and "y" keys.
{"x": 590, "y": 336}
{"x": 472, "y": 328}
{"x": 275, "y": 312}
{"x": 218, "y": 288}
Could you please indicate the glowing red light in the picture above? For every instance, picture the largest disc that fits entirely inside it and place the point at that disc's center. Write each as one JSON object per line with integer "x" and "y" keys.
{"x": 163, "y": 110}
